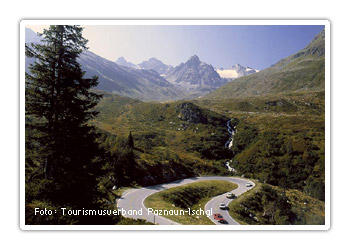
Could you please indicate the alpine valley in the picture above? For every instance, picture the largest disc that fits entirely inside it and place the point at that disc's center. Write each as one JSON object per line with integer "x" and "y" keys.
{"x": 151, "y": 80}
{"x": 160, "y": 123}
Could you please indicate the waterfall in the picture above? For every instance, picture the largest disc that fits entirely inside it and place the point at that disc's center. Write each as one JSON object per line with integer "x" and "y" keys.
{"x": 229, "y": 143}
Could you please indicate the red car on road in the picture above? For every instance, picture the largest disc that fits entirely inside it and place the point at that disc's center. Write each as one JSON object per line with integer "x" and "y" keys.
{"x": 219, "y": 218}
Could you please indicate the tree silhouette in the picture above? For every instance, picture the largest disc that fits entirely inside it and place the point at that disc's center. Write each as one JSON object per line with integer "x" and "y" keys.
{"x": 130, "y": 141}
{"x": 59, "y": 100}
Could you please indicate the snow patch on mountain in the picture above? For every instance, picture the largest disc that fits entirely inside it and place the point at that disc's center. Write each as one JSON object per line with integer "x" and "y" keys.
{"x": 236, "y": 71}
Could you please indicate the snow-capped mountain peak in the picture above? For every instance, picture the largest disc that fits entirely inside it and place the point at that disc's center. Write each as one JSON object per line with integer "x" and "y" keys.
{"x": 236, "y": 71}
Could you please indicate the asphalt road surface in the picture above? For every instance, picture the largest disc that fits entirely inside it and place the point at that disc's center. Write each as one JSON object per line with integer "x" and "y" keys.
{"x": 132, "y": 201}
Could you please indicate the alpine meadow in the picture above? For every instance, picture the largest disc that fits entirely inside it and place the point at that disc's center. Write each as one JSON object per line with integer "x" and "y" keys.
{"x": 154, "y": 143}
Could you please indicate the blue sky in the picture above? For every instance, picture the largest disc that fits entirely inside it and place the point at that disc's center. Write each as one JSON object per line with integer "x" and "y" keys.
{"x": 257, "y": 46}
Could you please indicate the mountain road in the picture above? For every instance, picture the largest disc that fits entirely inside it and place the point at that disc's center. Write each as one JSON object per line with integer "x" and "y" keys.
{"x": 132, "y": 201}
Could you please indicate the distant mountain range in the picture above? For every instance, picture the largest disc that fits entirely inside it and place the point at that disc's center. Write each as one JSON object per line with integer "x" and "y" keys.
{"x": 302, "y": 71}
{"x": 194, "y": 77}
{"x": 145, "y": 85}
{"x": 150, "y": 80}
{"x": 152, "y": 64}
{"x": 153, "y": 80}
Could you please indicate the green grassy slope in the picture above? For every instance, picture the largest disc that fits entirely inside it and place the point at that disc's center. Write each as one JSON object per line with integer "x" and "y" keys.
{"x": 303, "y": 71}
{"x": 194, "y": 196}
{"x": 270, "y": 205}
{"x": 280, "y": 138}
{"x": 172, "y": 140}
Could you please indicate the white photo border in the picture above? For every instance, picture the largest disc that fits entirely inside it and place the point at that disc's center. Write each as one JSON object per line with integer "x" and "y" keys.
{"x": 147, "y": 22}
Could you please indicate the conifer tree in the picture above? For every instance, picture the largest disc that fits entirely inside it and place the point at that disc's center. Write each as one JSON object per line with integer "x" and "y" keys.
{"x": 59, "y": 99}
{"x": 130, "y": 141}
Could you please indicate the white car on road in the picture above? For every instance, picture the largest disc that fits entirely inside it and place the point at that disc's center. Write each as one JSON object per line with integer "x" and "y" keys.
{"x": 222, "y": 206}
{"x": 230, "y": 196}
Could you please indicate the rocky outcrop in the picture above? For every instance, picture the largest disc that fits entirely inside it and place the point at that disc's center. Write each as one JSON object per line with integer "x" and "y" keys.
{"x": 189, "y": 112}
